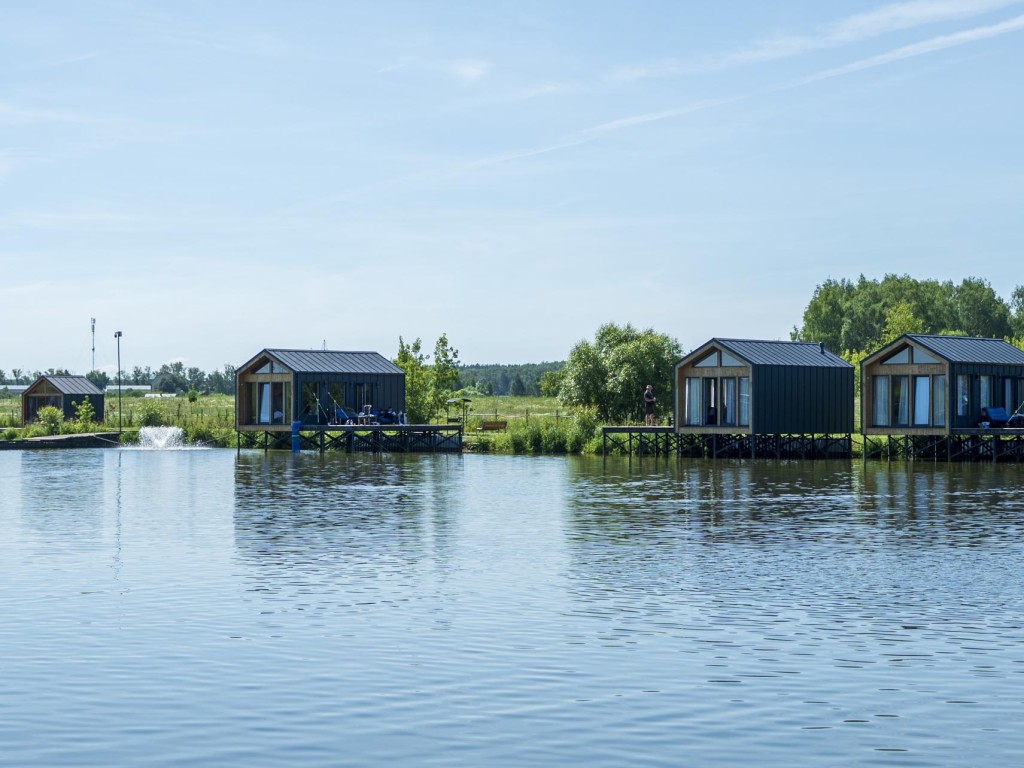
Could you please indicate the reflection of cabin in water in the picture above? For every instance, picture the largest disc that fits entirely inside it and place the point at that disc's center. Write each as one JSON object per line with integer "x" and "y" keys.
{"x": 752, "y": 398}
{"x": 316, "y": 387}
{"x": 62, "y": 392}
{"x": 939, "y": 385}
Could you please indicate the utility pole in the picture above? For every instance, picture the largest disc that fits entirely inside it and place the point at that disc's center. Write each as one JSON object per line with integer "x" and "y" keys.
{"x": 117, "y": 335}
{"x": 93, "y": 343}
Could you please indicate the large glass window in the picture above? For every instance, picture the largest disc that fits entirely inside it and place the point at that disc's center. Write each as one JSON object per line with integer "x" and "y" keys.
{"x": 728, "y": 361}
{"x": 939, "y": 401}
{"x": 693, "y": 410}
{"x": 728, "y": 413}
{"x": 985, "y": 393}
{"x": 922, "y": 404}
{"x": 710, "y": 398}
{"x": 709, "y": 361}
{"x": 963, "y": 395}
{"x": 311, "y": 402}
{"x": 1008, "y": 403}
{"x": 900, "y": 401}
{"x": 880, "y": 401}
{"x": 900, "y": 358}
{"x": 744, "y": 415}
{"x": 264, "y": 403}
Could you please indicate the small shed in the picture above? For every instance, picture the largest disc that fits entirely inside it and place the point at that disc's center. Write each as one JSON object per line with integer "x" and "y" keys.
{"x": 754, "y": 387}
{"x": 318, "y": 387}
{"x": 63, "y": 392}
{"x": 934, "y": 385}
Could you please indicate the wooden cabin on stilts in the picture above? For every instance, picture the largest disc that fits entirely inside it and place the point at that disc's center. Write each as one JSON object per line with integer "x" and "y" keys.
{"x": 946, "y": 398}
{"x": 326, "y": 399}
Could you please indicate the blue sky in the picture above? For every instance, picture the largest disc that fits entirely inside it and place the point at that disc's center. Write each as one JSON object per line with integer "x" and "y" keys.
{"x": 215, "y": 178}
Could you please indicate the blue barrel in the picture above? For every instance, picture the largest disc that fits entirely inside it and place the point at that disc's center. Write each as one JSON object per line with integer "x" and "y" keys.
{"x": 295, "y": 436}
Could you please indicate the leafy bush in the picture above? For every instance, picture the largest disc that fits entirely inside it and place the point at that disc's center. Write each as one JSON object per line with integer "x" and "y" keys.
{"x": 517, "y": 441}
{"x": 51, "y": 419}
{"x": 10, "y": 434}
{"x": 210, "y": 435}
{"x": 553, "y": 439}
{"x": 150, "y": 416}
{"x": 85, "y": 415}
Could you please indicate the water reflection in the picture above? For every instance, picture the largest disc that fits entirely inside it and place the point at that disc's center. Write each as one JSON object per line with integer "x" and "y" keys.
{"x": 338, "y": 514}
{"x": 507, "y": 610}
{"x": 65, "y": 503}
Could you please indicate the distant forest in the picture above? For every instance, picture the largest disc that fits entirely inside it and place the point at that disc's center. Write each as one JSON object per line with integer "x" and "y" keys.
{"x": 174, "y": 377}
{"x": 496, "y": 379}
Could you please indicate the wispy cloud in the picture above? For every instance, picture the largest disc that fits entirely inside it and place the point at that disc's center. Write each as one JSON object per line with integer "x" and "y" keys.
{"x": 919, "y": 49}
{"x": 467, "y": 71}
{"x": 594, "y": 132}
{"x": 853, "y": 29}
{"x": 13, "y": 113}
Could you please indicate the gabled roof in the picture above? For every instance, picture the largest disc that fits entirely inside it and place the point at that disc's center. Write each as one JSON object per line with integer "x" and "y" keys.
{"x": 757, "y": 352}
{"x": 968, "y": 349}
{"x": 331, "y": 361}
{"x": 71, "y": 385}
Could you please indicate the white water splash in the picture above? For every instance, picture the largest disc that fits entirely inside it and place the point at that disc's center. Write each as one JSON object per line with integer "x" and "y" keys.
{"x": 161, "y": 439}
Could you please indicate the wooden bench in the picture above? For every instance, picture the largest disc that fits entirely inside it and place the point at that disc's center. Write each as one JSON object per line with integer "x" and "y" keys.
{"x": 492, "y": 426}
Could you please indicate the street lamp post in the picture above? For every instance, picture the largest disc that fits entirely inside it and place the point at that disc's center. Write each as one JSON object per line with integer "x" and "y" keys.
{"x": 117, "y": 335}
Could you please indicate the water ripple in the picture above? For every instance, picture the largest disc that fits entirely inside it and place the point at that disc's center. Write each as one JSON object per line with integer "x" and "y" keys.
{"x": 208, "y": 607}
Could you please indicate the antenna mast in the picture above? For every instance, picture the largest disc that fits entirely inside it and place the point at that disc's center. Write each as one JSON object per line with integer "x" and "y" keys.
{"x": 93, "y": 319}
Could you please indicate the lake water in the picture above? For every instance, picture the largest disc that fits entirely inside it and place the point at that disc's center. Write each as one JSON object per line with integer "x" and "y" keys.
{"x": 203, "y": 607}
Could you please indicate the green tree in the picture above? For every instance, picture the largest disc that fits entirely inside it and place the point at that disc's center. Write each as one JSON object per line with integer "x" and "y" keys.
{"x": 171, "y": 378}
{"x": 550, "y": 382}
{"x": 517, "y": 388}
{"x": 99, "y": 378}
{"x": 823, "y": 317}
{"x": 417, "y": 386}
{"x": 609, "y": 374}
{"x": 443, "y": 375}
{"x": 1017, "y": 307}
{"x": 584, "y": 377}
{"x": 900, "y": 319}
{"x": 846, "y": 315}
{"x": 196, "y": 379}
{"x": 141, "y": 375}
{"x": 979, "y": 311}
{"x": 85, "y": 415}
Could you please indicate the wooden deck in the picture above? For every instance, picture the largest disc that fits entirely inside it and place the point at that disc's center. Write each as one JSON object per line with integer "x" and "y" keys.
{"x": 665, "y": 441}
{"x": 1001, "y": 445}
{"x": 369, "y": 438}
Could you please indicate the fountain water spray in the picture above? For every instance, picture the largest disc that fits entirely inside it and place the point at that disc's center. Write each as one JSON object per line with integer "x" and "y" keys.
{"x": 161, "y": 438}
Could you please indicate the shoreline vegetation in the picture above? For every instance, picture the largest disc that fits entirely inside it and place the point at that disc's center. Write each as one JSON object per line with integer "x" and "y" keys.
{"x": 535, "y": 425}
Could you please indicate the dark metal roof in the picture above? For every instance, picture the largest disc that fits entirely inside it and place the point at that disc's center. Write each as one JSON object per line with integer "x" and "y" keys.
{"x": 969, "y": 349}
{"x": 73, "y": 385}
{"x": 804, "y": 353}
{"x": 330, "y": 361}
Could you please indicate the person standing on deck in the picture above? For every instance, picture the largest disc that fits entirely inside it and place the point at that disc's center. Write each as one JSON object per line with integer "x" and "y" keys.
{"x": 649, "y": 399}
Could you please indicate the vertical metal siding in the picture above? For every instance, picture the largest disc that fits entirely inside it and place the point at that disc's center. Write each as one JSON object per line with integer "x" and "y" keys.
{"x": 802, "y": 400}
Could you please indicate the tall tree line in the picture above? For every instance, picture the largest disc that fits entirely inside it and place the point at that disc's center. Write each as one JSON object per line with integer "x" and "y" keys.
{"x": 170, "y": 378}
{"x": 849, "y": 316}
{"x": 516, "y": 380}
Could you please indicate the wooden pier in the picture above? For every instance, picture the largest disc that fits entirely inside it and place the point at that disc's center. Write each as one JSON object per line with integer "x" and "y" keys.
{"x": 369, "y": 438}
{"x": 968, "y": 445}
{"x": 665, "y": 441}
